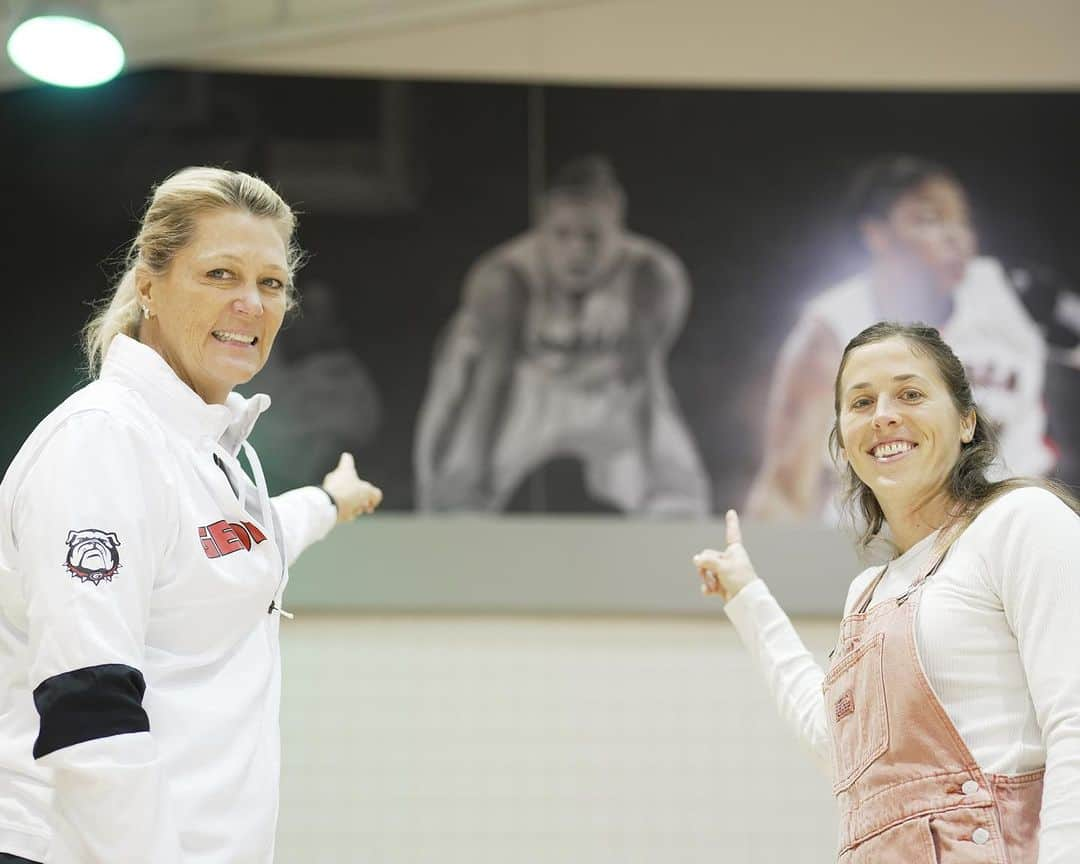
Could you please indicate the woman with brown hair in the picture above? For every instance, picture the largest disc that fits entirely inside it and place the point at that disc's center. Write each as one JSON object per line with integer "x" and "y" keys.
{"x": 950, "y": 713}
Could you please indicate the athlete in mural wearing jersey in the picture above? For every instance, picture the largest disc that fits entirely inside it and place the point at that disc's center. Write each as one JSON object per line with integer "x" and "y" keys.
{"x": 559, "y": 349}
{"x": 914, "y": 220}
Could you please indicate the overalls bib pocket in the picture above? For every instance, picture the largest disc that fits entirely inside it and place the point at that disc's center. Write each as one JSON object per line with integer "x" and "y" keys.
{"x": 855, "y": 711}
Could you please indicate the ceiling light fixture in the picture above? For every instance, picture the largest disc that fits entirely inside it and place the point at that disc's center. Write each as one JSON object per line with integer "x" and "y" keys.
{"x": 65, "y": 43}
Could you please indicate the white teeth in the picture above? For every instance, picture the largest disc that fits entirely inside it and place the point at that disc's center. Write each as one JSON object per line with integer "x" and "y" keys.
{"x": 892, "y": 448}
{"x": 226, "y": 336}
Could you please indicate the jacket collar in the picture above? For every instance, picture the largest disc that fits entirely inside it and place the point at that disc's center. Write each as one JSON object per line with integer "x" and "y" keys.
{"x": 140, "y": 368}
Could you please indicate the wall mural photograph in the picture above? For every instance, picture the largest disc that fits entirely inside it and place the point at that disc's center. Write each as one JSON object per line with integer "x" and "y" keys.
{"x": 558, "y": 299}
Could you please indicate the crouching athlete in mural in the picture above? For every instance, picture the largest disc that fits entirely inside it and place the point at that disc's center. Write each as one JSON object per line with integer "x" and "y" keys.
{"x": 142, "y": 568}
{"x": 949, "y": 717}
{"x": 559, "y": 349}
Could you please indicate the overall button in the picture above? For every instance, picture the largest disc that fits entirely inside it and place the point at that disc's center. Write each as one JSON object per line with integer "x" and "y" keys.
{"x": 970, "y": 787}
{"x": 979, "y": 836}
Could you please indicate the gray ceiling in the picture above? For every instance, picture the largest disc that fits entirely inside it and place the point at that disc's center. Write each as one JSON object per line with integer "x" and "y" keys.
{"x": 967, "y": 43}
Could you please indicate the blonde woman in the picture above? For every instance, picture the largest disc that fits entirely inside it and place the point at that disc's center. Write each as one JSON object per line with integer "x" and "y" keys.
{"x": 142, "y": 566}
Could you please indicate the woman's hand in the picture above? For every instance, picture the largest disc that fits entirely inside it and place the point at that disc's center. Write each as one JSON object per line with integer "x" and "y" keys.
{"x": 353, "y": 495}
{"x": 726, "y": 573}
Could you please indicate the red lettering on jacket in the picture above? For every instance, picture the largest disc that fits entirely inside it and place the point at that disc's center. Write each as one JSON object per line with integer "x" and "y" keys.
{"x": 224, "y": 538}
{"x": 243, "y": 534}
{"x": 208, "y": 544}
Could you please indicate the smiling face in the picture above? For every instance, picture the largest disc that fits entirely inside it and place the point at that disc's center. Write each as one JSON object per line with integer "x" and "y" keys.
{"x": 217, "y": 308}
{"x": 927, "y": 234}
{"x": 899, "y": 426}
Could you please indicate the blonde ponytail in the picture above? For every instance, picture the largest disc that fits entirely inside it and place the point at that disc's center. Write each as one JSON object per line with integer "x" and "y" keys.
{"x": 119, "y": 314}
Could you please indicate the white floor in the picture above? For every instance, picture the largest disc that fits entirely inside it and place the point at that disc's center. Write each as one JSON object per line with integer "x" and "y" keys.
{"x": 437, "y": 740}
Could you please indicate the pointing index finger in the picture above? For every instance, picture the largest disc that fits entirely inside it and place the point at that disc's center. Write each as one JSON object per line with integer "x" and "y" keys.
{"x": 734, "y": 533}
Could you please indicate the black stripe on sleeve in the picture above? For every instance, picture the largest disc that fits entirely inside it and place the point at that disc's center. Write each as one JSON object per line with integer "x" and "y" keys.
{"x": 90, "y": 703}
{"x": 8, "y": 858}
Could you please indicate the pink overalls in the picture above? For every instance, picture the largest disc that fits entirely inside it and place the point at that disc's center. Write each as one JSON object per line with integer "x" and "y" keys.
{"x": 908, "y": 788}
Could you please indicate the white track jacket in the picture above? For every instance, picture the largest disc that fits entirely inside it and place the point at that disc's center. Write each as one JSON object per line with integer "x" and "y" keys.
{"x": 140, "y": 576}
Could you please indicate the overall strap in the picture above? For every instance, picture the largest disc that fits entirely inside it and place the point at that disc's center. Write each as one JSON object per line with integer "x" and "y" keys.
{"x": 868, "y": 595}
{"x": 918, "y": 583}
{"x": 863, "y": 603}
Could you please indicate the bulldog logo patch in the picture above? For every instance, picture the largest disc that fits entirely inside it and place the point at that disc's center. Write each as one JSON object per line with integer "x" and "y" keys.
{"x": 92, "y": 555}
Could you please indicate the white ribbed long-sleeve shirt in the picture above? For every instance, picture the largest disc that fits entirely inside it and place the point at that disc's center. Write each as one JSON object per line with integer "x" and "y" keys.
{"x": 998, "y": 633}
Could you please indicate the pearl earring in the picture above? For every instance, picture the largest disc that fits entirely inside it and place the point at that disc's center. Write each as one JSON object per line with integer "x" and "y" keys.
{"x": 146, "y": 312}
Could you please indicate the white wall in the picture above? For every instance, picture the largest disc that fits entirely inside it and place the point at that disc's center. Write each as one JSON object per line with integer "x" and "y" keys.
{"x": 402, "y": 562}
{"x": 477, "y": 739}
